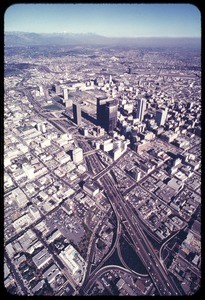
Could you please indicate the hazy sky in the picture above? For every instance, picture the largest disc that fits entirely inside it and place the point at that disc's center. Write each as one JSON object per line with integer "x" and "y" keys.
{"x": 112, "y": 20}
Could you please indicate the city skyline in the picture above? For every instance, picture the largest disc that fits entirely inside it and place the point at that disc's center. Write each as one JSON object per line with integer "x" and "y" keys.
{"x": 110, "y": 20}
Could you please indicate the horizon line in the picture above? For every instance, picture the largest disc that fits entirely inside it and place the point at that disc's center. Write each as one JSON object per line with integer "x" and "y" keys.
{"x": 121, "y": 37}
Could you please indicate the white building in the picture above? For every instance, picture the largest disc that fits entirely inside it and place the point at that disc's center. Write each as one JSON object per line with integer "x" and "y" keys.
{"x": 65, "y": 94}
{"x": 22, "y": 222}
{"x": 74, "y": 262}
{"x": 28, "y": 170}
{"x": 7, "y": 180}
{"x": 41, "y": 127}
{"x": 41, "y": 91}
{"x": 77, "y": 155}
{"x": 108, "y": 145}
{"x": 91, "y": 188}
{"x": 117, "y": 153}
{"x": 68, "y": 103}
{"x": 34, "y": 213}
{"x": 19, "y": 197}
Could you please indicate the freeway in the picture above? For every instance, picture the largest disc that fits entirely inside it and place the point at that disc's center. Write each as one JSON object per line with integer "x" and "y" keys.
{"x": 122, "y": 259}
{"x": 145, "y": 251}
{"x": 166, "y": 242}
{"x": 91, "y": 250}
{"x": 102, "y": 271}
{"x": 38, "y": 109}
{"x": 159, "y": 275}
{"x": 105, "y": 170}
{"x": 96, "y": 166}
{"x": 89, "y": 152}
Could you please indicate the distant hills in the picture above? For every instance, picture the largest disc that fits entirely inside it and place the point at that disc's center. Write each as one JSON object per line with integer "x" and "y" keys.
{"x": 23, "y": 39}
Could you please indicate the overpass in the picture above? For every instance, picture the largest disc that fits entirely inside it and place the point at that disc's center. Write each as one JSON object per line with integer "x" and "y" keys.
{"x": 143, "y": 247}
{"x": 158, "y": 273}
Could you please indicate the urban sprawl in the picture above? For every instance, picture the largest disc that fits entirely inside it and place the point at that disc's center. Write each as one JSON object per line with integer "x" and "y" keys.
{"x": 102, "y": 171}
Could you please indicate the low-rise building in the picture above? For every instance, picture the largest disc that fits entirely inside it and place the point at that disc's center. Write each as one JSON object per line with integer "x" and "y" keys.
{"x": 74, "y": 262}
{"x": 175, "y": 184}
{"x": 91, "y": 187}
{"x": 51, "y": 273}
{"x": 41, "y": 258}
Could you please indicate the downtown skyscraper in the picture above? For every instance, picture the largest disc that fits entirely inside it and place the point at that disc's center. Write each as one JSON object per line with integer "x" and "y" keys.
{"x": 161, "y": 115}
{"x": 77, "y": 113}
{"x": 107, "y": 114}
{"x": 141, "y": 107}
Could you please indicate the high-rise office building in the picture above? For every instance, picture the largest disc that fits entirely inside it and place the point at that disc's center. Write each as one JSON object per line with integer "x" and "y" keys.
{"x": 110, "y": 79}
{"x": 68, "y": 103}
{"x": 111, "y": 115}
{"x": 41, "y": 90}
{"x": 141, "y": 107}
{"x": 107, "y": 114}
{"x": 77, "y": 155}
{"x": 101, "y": 102}
{"x": 77, "y": 113}
{"x": 160, "y": 117}
{"x": 65, "y": 94}
{"x": 47, "y": 94}
{"x": 130, "y": 70}
{"x": 56, "y": 88}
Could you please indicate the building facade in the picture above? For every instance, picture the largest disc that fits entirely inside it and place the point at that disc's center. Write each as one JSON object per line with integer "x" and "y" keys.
{"x": 77, "y": 113}
{"x": 107, "y": 114}
{"x": 160, "y": 117}
{"x": 77, "y": 155}
{"x": 141, "y": 107}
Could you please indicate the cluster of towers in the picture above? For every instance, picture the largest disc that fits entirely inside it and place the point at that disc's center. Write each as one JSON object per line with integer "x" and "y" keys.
{"x": 107, "y": 111}
{"x": 106, "y": 114}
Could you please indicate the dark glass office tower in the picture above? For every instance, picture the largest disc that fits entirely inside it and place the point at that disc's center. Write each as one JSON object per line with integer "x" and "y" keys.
{"x": 111, "y": 115}
{"x": 107, "y": 114}
{"x": 77, "y": 113}
{"x": 101, "y": 103}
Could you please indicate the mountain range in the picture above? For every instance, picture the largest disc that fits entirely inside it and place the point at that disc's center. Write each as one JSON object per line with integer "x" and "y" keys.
{"x": 22, "y": 39}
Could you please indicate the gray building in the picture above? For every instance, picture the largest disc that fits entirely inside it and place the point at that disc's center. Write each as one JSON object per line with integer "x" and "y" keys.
{"x": 161, "y": 116}
{"x": 141, "y": 107}
{"x": 77, "y": 113}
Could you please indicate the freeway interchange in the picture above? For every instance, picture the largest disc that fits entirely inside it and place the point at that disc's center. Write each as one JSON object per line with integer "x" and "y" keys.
{"x": 143, "y": 248}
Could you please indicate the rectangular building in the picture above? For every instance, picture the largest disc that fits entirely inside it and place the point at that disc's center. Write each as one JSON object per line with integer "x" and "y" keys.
{"x": 77, "y": 113}
{"x": 141, "y": 107}
{"x": 77, "y": 155}
{"x": 107, "y": 114}
{"x": 160, "y": 117}
{"x": 41, "y": 258}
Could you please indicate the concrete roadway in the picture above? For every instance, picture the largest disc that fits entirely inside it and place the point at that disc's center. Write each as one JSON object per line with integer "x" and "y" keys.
{"x": 19, "y": 281}
{"x": 91, "y": 250}
{"x": 94, "y": 277}
{"x": 145, "y": 251}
